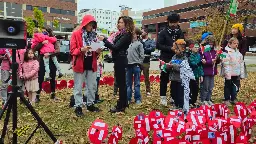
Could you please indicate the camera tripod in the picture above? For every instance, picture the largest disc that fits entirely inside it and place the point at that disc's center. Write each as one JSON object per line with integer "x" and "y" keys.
{"x": 11, "y": 104}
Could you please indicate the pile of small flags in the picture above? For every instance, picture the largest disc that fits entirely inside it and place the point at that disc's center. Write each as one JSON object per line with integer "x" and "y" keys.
{"x": 207, "y": 125}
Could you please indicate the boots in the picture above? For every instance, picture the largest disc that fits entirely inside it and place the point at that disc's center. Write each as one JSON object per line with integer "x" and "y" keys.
{"x": 163, "y": 100}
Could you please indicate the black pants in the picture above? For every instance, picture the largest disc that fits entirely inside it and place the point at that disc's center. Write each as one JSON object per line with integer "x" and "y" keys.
{"x": 97, "y": 90}
{"x": 231, "y": 88}
{"x": 41, "y": 74}
{"x": 120, "y": 65}
{"x": 177, "y": 93}
{"x": 194, "y": 89}
{"x": 164, "y": 79}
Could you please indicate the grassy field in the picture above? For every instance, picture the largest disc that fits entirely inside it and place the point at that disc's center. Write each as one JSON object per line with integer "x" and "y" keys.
{"x": 72, "y": 130}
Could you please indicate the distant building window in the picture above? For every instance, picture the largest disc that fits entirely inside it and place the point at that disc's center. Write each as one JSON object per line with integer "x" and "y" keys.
{"x": 29, "y": 7}
{"x": 68, "y": 12}
{"x": 67, "y": 27}
{"x": 14, "y": 9}
{"x": 1, "y": 8}
{"x": 56, "y": 11}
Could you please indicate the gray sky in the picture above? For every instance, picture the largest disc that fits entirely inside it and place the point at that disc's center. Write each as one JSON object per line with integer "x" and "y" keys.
{"x": 114, "y": 4}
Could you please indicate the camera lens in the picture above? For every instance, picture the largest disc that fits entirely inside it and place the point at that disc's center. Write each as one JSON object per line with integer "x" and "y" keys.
{"x": 11, "y": 29}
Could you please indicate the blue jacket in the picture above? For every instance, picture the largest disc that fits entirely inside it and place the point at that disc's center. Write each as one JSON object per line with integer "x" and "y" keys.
{"x": 149, "y": 46}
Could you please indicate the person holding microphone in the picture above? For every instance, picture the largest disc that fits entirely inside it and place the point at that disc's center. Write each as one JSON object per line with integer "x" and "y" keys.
{"x": 119, "y": 53}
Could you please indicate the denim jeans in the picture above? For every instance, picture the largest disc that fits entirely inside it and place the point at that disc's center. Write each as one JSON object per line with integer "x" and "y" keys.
{"x": 130, "y": 71}
{"x": 47, "y": 64}
{"x": 206, "y": 91}
{"x": 89, "y": 77}
{"x": 5, "y": 76}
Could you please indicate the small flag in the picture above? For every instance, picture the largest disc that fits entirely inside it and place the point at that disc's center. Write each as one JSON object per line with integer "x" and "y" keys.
{"x": 233, "y": 7}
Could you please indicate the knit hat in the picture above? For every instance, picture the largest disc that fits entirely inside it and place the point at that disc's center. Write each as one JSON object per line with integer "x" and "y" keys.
{"x": 238, "y": 26}
{"x": 205, "y": 35}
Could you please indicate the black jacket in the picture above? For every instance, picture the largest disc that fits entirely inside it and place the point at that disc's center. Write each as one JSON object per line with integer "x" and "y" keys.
{"x": 165, "y": 42}
{"x": 120, "y": 45}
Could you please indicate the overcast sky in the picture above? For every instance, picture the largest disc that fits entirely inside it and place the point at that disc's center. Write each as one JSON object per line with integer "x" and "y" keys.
{"x": 114, "y": 4}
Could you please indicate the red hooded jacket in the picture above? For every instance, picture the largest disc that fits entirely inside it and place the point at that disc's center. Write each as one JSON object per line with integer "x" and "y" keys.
{"x": 77, "y": 43}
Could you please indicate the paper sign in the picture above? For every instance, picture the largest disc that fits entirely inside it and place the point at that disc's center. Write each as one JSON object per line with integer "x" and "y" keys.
{"x": 96, "y": 45}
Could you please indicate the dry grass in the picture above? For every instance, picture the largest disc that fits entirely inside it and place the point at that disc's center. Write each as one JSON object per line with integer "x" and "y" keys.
{"x": 66, "y": 126}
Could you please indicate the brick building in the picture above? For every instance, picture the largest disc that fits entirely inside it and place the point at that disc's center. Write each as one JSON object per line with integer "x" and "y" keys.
{"x": 65, "y": 11}
{"x": 155, "y": 20}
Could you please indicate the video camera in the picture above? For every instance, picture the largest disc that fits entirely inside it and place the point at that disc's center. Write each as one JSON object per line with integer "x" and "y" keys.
{"x": 13, "y": 34}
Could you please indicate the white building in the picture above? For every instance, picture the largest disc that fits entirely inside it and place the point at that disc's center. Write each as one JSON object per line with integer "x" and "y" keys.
{"x": 106, "y": 19}
{"x": 137, "y": 16}
{"x": 168, "y": 3}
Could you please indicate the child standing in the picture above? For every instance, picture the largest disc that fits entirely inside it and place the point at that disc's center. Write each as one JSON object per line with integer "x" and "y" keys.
{"x": 30, "y": 74}
{"x": 99, "y": 73}
{"x": 210, "y": 61}
{"x": 5, "y": 75}
{"x": 46, "y": 50}
{"x": 177, "y": 89}
{"x": 196, "y": 65}
{"x": 233, "y": 70}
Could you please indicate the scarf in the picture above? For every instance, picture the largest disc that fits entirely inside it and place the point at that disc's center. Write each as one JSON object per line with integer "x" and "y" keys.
{"x": 186, "y": 74}
{"x": 173, "y": 32}
{"x": 88, "y": 38}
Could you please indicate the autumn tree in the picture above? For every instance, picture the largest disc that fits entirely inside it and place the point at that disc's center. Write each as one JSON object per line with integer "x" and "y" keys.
{"x": 38, "y": 16}
{"x": 217, "y": 14}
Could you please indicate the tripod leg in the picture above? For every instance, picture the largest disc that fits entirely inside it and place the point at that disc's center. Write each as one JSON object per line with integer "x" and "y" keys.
{"x": 5, "y": 106}
{"x": 39, "y": 120}
{"x": 6, "y": 120}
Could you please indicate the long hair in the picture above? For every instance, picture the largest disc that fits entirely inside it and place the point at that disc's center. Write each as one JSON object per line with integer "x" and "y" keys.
{"x": 49, "y": 30}
{"x": 26, "y": 58}
{"x": 129, "y": 25}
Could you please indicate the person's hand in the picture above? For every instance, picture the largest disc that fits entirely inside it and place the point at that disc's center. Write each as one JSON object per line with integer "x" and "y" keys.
{"x": 201, "y": 79}
{"x": 101, "y": 38}
{"x": 85, "y": 49}
{"x": 203, "y": 61}
{"x": 45, "y": 42}
{"x": 46, "y": 55}
{"x": 98, "y": 50}
{"x": 214, "y": 60}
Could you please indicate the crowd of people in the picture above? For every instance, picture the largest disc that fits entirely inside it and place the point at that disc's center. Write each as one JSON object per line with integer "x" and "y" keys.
{"x": 190, "y": 66}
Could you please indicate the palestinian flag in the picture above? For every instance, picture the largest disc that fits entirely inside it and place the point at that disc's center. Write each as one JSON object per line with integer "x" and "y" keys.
{"x": 233, "y": 7}
{"x": 220, "y": 54}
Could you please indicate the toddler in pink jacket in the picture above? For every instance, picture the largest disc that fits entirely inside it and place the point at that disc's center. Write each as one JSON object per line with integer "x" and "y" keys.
{"x": 30, "y": 74}
{"x": 46, "y": 50}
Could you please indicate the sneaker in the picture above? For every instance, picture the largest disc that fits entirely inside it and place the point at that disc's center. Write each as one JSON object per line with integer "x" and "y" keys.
{"x": 92, "y": 108}
{"x": 79, "y": 112}
{"x": 47, "y": 79}
{"x": 138, "y": 102}
{"x": 205, "y": 103}
{"x": 148, "y": 94}
{"x": 210, "y": 103}
{"x": 52, "y": 96}
{"x": 37, "y": 100}
{"x": 232, "y": 102}
{"x": 226, "y": 103}
{"x": 163, "y": 101}
{"x": 60, "y": 75}
{"x": 98, "y": 101}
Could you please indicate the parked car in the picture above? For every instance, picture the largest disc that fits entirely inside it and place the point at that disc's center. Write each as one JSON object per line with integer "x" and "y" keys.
{"x": 155, "y": 56}
{"x": 64, "y": 55}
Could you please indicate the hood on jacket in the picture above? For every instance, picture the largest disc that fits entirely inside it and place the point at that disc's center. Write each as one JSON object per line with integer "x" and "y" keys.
{"x": 87, "y": 19}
